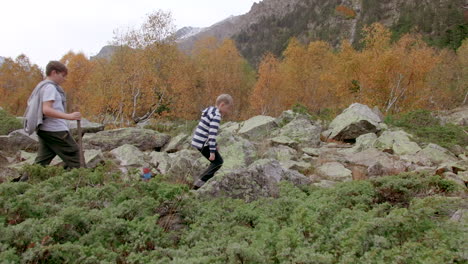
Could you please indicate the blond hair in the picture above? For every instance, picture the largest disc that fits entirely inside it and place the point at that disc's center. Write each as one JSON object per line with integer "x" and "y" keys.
{"x": 224, "y": 98}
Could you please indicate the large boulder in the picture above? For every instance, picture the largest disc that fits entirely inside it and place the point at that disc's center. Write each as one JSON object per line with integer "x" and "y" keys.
{"x": 259, "y": 180}
{"x": 398, "y": 142}
{"x": 129, "y": 155}
{"x": 186, "y": 165}
{"x": 302, "y": 131}
{"x": 237, "y": 152}
{"x": 86, "y": 126}
{"x": 356, "y": 120}
{"x": 144, "y": 139}
{"x": 257, "y": 127}
{"x": 19, "y": 140}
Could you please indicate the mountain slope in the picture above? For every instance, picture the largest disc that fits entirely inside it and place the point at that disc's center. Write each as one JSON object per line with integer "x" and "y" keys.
{"x": 271, "y": 23}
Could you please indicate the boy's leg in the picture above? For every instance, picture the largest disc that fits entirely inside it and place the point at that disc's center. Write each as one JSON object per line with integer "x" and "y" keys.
{"x": 44, "y": 155}
{"x": 62, "y": 144}
{"x": 215, "y": 164}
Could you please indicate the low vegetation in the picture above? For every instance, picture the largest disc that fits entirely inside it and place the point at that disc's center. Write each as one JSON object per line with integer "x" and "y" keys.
{"x": 427, "y": 128}
{"x": 86, "y": 216}
{"x": 8, "y": 123}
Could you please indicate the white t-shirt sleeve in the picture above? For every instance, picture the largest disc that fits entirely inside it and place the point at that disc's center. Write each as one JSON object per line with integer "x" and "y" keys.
{"x": 49, "y": 93}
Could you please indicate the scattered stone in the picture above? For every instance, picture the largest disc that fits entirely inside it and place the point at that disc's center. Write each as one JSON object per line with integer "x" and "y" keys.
{"x": 335, "y": 171}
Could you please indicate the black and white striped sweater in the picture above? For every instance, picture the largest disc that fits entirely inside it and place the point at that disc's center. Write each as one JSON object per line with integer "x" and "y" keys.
{"x": 207, "y": 129}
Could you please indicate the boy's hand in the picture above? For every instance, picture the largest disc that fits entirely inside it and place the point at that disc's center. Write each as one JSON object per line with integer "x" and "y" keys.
{"x": 75, "y": 116}
{"x": 212, "y": 156}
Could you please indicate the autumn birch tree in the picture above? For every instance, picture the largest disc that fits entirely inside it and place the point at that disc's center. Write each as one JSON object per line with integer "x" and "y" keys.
{"x": 17, "y": 80}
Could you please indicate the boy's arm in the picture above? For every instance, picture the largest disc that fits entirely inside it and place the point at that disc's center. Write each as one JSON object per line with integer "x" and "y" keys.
{"x": 213, "y": 132}
{"x": 49, "y": 111}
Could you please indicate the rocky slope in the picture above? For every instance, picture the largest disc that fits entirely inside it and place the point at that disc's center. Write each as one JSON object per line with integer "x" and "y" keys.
{"x": 260, "y": 152}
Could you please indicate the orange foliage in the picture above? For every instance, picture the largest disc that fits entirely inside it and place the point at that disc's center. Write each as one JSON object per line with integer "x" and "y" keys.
{"x": 79, "y": 72}
{"x": 221, "y": 69}
{"x": 149, "y": 79}
{"x": 17, "y": 80}
{"x": 265, "y": 98}
{"x": 346, "y": 11}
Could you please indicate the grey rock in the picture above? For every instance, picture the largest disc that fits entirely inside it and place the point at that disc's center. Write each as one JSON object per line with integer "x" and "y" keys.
{"x": 436, "y": 154}
{"x": 257, "y": 127}
{"x": 335, "y": 171}
{"x": 144, "y": 139}
{"x": 161, "y": 161}
{"x": 398, "y": 142}
{"x": 93, "y": 158}
{"x": 86, "y": 126}
{"x": 176, "y": 143}
{"x": 259, "y": 180}
{"x": 129, "y": 155}
{"x": 7, "y": 174}
{"x": 356, "y": 120}
{"x": 388, "y": 164}
{"x": 281, "y": 153}
{"x": 302, "y": 131}
{"x": 454, "y": 178}
{"x": 19, "y": 140}
{"x": 325, "y": 184}
{"x": 459, "y": 216}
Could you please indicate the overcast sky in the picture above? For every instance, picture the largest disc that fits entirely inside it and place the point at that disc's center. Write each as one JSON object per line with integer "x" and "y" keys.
{"x": 46, "y": 30}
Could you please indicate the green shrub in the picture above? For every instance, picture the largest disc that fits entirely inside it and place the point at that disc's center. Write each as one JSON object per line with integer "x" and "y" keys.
{"x": 427, "y": 128}
{"x": 8, "y": 123}
{"x": 79, "y": 216}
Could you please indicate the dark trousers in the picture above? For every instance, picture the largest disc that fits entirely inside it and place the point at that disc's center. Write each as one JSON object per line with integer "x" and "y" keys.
{"x": 59, "y": 143}
{"x": 214, "y": 166}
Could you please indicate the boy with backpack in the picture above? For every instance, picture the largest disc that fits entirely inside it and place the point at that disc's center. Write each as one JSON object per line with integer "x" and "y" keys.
{"x": 46, "y": 115}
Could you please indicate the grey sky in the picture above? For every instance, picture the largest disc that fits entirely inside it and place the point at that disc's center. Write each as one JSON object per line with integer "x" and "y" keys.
{"x": 46, "y": 30}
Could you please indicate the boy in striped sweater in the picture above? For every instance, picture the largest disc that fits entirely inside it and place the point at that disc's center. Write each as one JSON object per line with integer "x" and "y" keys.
{"x": 204, "y": 138}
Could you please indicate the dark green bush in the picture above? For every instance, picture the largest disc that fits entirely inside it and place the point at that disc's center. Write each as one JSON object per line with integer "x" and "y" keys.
{"x": 80, "y": 217}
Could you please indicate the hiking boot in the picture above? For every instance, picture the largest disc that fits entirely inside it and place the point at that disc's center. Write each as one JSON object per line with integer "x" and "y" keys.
{"x": 197, "y": 184}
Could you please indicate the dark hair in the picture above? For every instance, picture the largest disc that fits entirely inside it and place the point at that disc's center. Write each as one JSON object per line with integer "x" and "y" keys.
{"x": 56, "y": 66}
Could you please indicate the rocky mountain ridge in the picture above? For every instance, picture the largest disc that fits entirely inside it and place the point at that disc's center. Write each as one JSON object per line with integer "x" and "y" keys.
{"x": 269, "y": 25}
